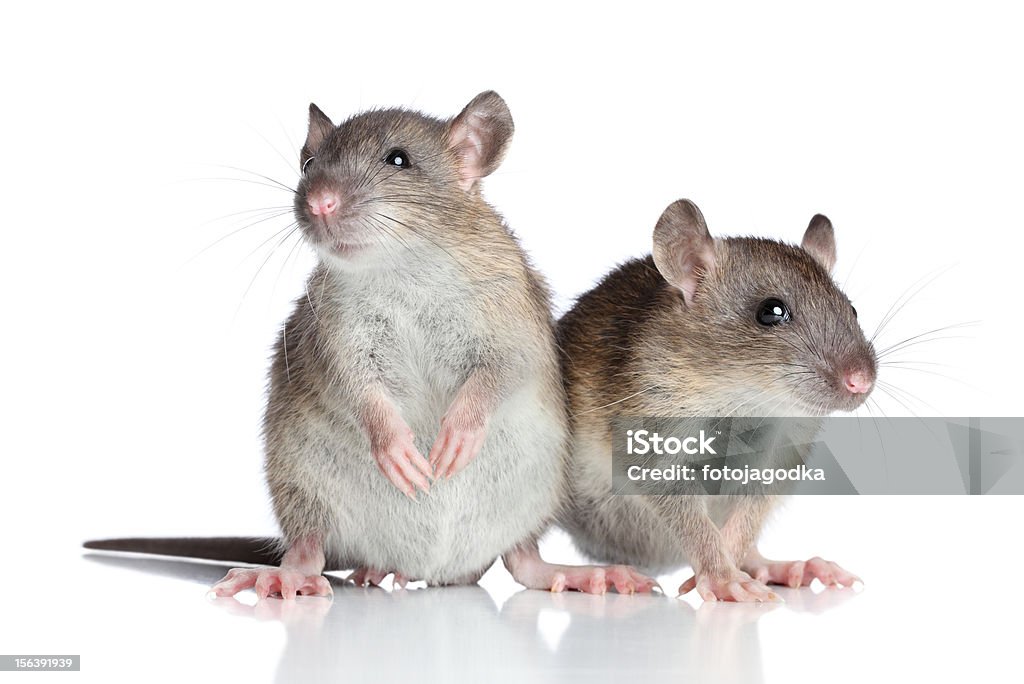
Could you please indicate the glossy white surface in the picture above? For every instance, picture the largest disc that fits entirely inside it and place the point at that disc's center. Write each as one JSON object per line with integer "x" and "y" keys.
{"x": 938, "y": 605}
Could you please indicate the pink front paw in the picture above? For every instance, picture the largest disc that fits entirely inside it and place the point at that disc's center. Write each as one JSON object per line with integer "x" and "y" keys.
{"x": 285, "y": 582}
{"x": 457, "y": 444}
{"x": 801, "y": 573}
{"x": 402, "y": 464}
{"x": 730, "y": 586}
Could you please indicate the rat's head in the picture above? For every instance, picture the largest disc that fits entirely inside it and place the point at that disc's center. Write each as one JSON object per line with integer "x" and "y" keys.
{"x": 385, "y": 179}
{"x": 771, "y": 312}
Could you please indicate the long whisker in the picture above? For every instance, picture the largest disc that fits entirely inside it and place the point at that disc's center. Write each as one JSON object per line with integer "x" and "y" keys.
{"x": 896, "y": 365}
{"x": 258, "y": 210}
{"x": 292, "y": 164}
{"x": 924, "y": 337}
{"x": 854, "y": 265}
{"x": 246, "y": 180}
{"x": 284, "y": 264}
{"x": 221, "y": 239}
{"x": 293, "y": 224}
{"x": 617, "y": 401}
{"x": 391, "y": 232}
{"x": 898, "y": 305}
{"x": 276, "y": 183}
{"x": 417, "y": 232}
{"x": 293, "y": 227}
{"x": 874, "y": 423}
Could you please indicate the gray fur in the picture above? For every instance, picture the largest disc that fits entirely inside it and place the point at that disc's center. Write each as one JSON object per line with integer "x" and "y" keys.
{"x": 439, "y": 291}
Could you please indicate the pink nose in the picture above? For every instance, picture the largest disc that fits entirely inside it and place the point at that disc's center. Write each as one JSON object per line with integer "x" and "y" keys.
{"x": 322, "y": 204}
{"x": 857, "y": 382}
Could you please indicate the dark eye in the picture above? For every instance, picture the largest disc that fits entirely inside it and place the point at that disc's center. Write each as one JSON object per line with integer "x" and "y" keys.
{"x": 772, "y": 312}
{"x": 854, "y": 310}
{"x": 398, "y": 158}
{"x": 305, "y": 164}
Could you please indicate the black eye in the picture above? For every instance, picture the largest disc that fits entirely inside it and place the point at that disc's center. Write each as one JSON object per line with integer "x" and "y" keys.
{"x": 772, "y": 312}
{"x": 854, "y": 310}
{"x": 398, "y": 158}
{"x": 305, "y": 164}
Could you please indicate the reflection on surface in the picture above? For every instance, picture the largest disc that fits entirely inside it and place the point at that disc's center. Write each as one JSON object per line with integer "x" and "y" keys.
{"x": 462, "y": 633}
{"x": 193, "y": 571}
{"x": 423, "y": 635}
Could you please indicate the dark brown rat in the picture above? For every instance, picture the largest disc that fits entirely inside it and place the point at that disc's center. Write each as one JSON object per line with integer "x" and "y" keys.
{"x": 705, "y": 327}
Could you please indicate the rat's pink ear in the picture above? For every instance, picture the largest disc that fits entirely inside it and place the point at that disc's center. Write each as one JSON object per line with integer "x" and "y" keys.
{"x": 320, "y": 126}
{"x": 683, "y": 248}
{"x": 479, "y": 136}
{"x": 820, "y": 241}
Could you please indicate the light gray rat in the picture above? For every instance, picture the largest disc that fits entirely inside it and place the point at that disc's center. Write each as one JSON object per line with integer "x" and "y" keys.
{"x": 705, "y": 327}
{"x": 420, "y": 359}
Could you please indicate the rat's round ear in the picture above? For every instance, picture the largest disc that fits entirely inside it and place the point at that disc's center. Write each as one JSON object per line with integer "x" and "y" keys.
{"x": 820, "y": 241}
{"x": 683, "y": 248}
{"x": 479, "y": 136}
{"x": 320, "y": 126}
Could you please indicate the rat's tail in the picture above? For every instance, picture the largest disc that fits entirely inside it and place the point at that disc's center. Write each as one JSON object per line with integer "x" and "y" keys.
{"x": 257, "y": 550}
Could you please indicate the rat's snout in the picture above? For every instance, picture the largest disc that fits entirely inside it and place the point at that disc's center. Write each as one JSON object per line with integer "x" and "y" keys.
{"x": 850, "y": 379}
{"x": 322, "y": 203}
{"x": 328, "y": 211}
{"x": 858, "y": 381}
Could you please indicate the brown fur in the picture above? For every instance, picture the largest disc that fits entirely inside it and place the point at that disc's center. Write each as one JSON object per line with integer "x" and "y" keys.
{"x": 633, "y": 346}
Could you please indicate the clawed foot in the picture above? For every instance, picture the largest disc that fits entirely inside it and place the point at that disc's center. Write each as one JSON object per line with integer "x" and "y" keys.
{"x": 458, "y": 443}
{"x": 533, "y": 572}
{"x": 267, "y": 581}
{"x": 734, "y": 586}
{"x": 800, "y": 573}
{"x": 368, "y": 577}
{"x": 402, "y": 464}
{"x": 596, "y": 579}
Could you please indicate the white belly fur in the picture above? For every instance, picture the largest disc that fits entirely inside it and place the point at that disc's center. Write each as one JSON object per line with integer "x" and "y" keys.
{"x": 504, "y": 497}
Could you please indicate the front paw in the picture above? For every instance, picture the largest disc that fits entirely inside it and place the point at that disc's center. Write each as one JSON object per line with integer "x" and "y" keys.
{"x": 734, "y": 585}
{"x": 402, "y": 464}
{"x": 458, "y": 442}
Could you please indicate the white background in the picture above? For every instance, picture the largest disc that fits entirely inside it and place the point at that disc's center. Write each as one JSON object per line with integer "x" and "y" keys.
{"x": 135, "y": 341}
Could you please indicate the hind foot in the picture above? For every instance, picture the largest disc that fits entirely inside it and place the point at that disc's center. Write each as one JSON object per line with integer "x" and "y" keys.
{"x": 283, "y": 582}
{"x": 734, "y": 585}
{"x": 798, "y": 573}
{"x": 368, "y": 577}
{"x": 530, "y": 570}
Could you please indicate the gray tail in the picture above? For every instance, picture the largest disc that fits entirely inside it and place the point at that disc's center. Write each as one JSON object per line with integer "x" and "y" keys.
{"x": 257, "y": 550}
